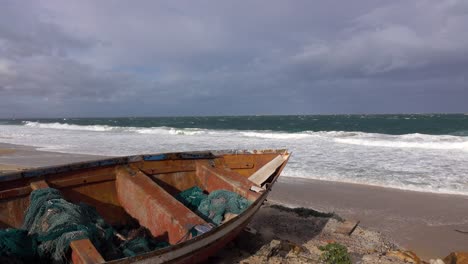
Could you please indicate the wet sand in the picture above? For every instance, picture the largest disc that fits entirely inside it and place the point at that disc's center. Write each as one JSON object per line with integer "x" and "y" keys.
{"x": 422, "y": 222}
{"x": 16, "y": 157}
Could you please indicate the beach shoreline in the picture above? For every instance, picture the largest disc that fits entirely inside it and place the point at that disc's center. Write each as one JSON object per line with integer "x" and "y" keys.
{"x": 17, "y": 157}
{"x": 422, "y": 222}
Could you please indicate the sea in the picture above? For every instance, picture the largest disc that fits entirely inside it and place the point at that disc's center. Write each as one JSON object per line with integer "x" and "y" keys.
{"x": 421, "y": 152}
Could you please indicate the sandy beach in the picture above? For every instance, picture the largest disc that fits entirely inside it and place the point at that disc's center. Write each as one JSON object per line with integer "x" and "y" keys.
{"x": 14, "y": 157}
{"x": 425, "y": 223}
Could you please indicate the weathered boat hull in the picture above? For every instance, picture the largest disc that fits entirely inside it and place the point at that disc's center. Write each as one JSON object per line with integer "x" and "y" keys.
{"x": 159, "y": 175}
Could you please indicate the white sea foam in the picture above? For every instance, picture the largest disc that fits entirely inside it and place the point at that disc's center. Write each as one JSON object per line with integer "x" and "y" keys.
{"x": 65, "y": 126}
{"x": 166, "y": 130}
{"x": 408, "y": 141}
{"x": 274, "y": 135}
{"x": 434, "y": 163}
{"x": 103, "y": 128}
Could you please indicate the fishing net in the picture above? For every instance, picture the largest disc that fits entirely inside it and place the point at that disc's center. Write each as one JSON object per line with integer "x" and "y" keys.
{"x": 214, "y": 206}
{"x": 141, "y": 245}
{"x": 16, "y": 243}
{"x": 56, "y": 222}
{"x": 51, "y": 223}
{"x": 192, "y": 197}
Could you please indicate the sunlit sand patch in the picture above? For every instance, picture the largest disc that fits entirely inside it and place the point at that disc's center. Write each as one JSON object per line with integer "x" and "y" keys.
{"x": 7, "y": 151}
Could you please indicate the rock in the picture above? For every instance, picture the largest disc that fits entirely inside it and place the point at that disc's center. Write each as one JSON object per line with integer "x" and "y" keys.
{"x": 250, "y": 230}
{"x": 436, "y": 261}
{"x": 456, "y": 258}
{"x": 274, "y": 248}
{"x": 375, "y": 258}
{"x": 283, "y": 249}
{"x": 407, "y": 256}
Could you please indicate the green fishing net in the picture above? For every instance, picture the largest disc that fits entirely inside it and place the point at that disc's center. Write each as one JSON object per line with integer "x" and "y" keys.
{"x": 214, "y": 206}
{"x": 16, "y": 243}
{"x": 141, "y": 245}
{"x": 51, "y": 223}
{"x": 56, "y": 222}
{"x": 192, "y": 197}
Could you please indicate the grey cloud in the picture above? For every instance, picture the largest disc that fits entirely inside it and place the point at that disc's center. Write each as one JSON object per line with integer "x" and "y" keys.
{"x": 25, "y": 32}
{"x": 165, "y": 57}
{"x": 415, "y": 37}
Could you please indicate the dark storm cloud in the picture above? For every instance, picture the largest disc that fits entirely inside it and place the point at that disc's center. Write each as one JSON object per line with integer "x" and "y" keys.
{"x": 218, "y": 57}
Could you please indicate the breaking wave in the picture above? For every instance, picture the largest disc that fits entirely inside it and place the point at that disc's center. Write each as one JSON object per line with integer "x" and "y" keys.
{"x": 98, "y": 128}
{"x": 415, "y": 140}
{"x": 105, "y": 128}
{"x": 411, "y": 161}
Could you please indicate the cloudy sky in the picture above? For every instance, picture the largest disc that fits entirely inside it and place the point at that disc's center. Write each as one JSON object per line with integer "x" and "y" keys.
{"x": 154, "y": 58}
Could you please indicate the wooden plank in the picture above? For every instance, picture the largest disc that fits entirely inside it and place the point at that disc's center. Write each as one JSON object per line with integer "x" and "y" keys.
{"x": 154, "y": 207}
{"x": 15, "y": 192}
{"x": 176, "y": 182}
{"x": 84, "y": 252}
{"x": 260, "y": 176}
{"x": 80, "y": 177}
{"x": 258, "y": 160}
{"x": 167, "y": 166}
{"x": 240, "y": 165}
{"x": 347, "y": 227}
{"x": 214, "y": 178}
{"x": 41, "y": 184}
{"x": 88, "y": 178}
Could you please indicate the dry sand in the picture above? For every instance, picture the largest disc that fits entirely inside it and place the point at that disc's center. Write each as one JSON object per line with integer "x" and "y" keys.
{"x": 422, "y": 222}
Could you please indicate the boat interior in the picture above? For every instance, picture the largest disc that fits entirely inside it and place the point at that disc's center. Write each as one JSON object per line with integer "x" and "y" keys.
{"x": 143, "y": 190}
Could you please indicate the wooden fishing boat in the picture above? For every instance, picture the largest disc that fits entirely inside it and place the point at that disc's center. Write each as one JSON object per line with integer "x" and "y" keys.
{"x": 144, "y": 188}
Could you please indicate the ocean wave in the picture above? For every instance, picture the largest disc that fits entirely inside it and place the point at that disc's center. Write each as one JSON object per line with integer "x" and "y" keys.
{"x": 169, "y": 130}
{"x": 275, "y": 135}
{"x": 461, "y": 133}
{"x": 106, "y": 128}
{"x": 415, "y": 140}
{"x": 98, "y": 128}
{"x": 422, "y": 141}
{"x": 359, "y": 157}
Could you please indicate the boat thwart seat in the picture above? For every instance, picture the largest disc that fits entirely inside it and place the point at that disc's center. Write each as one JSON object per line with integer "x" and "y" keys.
{"x": 154, "y": 207}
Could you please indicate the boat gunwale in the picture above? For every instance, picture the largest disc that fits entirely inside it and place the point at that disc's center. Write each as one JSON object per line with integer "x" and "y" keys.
{"x": 185, "y": 155}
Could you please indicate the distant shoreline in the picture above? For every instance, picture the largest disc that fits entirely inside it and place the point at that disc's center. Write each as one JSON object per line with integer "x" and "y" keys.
{"x": 243, "y": 115}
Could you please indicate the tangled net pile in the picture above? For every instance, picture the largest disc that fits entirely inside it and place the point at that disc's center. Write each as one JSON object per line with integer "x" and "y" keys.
{"x": 51, "y": 223}
{"x": 214, "y": 206}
